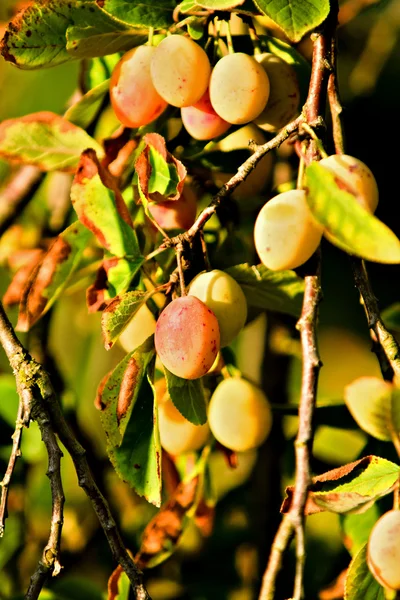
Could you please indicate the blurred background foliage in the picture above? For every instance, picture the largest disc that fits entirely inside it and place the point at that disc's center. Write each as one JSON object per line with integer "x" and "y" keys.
{"x": 229, "y": 563}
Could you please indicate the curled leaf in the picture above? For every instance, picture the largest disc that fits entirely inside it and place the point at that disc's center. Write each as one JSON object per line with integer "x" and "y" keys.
{"x": 160, "y": 175}
{"x": 164, "y": 531}
{"x": 353, "y": 487}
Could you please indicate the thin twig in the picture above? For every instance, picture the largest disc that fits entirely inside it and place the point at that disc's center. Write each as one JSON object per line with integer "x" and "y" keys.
{"x": 389, "y": 359}
{"x": 179, "y": 258}
{"x": 17, "y": 193}
{"x": 385, "y": 344}
{"x": 293, "y": 522}
{"x": 242, "y": 173}
{"x": 50, "y": 561}
{"x": 15, "y": 453}
{"x": 32, "y": 378}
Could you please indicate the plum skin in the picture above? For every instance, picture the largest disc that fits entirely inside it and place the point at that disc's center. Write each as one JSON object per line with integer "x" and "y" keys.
{"x": 383, "y": 555}
{"x": 224, "y": 296}
{"x": 239, "y": 415}
{"x": 187, "y": 337}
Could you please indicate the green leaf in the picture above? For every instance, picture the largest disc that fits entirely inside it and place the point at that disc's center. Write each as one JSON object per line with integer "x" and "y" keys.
{"x": 195, "y": 28}
{"x": 351, "y": 488}
{"x": 120, "y": 272}
{"x": 145, "y": 13}
{"x": 187, "y": 6}
{"x": 188, "y": 397}
{"x": 349, "y": 225}
{"x": 85, "y": 110}
{"x": 102, "y": 37}
{"x": 37, "y": 37}
{"x": 46, "y": 140}
{"x": 98, "y": 70}
{"x": 374, "y": 406}
{"x": 118, "y": 314}
{"x": 391, "y": 316}
{"x": 270, "y": 290}
{"x": 356, "y": 528}
{"x": 119, "y": 393}
{"x": 134, "y": 444}
{"x": 101, "y": 208}
{"x": 219, "y": 4}
{"x": 52, "y": 274}
{"x": 9, "y": 400}
{"x": 360, "y": 583}
{"x": 295, "y": 17}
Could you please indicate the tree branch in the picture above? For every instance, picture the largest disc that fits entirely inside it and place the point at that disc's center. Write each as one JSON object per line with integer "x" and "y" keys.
{"x": 33, "y": 380}
{"x": 242, "y": 173}
{"x": 293, "y": 522}
{"x": 50, "y": 561}
{"x": 15, "y": 453}
{"x": 385, "y": 345}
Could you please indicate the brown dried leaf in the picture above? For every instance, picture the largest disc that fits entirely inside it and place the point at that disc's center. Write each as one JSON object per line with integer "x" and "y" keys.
{"x": 164, "y": 530}
{"x": 205, "y": 517}
{"x": 22, "y": 279}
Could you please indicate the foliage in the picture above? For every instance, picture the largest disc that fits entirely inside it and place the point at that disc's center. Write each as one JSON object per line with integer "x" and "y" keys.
{"x": 83, "y": 250}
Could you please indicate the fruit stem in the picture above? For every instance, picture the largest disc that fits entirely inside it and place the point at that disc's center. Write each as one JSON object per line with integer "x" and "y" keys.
{"x": 316, "y": 139}
{"x": 254, "y": 38}
{"x": 229, "y": 38}
{"x": 300, "y": 174}
{"x": 179, "y": 253}
{"x": 396, "y": 504}
{"x": 150, "y": 37}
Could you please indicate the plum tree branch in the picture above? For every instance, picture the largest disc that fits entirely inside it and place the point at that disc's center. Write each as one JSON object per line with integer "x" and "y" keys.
{"x": 15, "y": 453}
{"x": 293, "y": 521}
{"x": 385, "y": 344}
{"x": 242, "y": 173}
{"x": 36, "y": 392}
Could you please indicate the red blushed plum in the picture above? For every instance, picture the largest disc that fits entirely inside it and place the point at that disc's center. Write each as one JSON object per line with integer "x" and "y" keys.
{"x": 176, "y": 214}
{"x": 187, "y": 338}
{"x": 201, "y": 120}
{"x": 133, "y": 96}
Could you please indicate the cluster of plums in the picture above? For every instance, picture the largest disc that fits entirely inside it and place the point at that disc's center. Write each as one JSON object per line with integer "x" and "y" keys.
{"x": 286, "y": 235}
{"x": 240, "y": 88}
{"x": 188, "y": 336}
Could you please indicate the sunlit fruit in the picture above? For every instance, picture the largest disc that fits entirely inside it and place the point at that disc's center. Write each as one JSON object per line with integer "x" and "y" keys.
{"x": 355, "y": 177}
{"x": 139, "y": 328}
{"x": 284, "y": 97}
{"x": 133, "y": 96}
{"x": 384, "y": 550}
{"x": 259, "y": 177}
{"x": 180, "y": 70}
{"x": 201, "y": 120}
{"x": 369, "y": 399}
{"x": 177, "y": 434}
{"x": 220, "y": 292}
{"x": 176, "y": 214}
{"x": 239, "y": 88}
{"x": 187, "y": 337}
{"x": 239, "y": 415}
{"x": 285, "y": 233}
